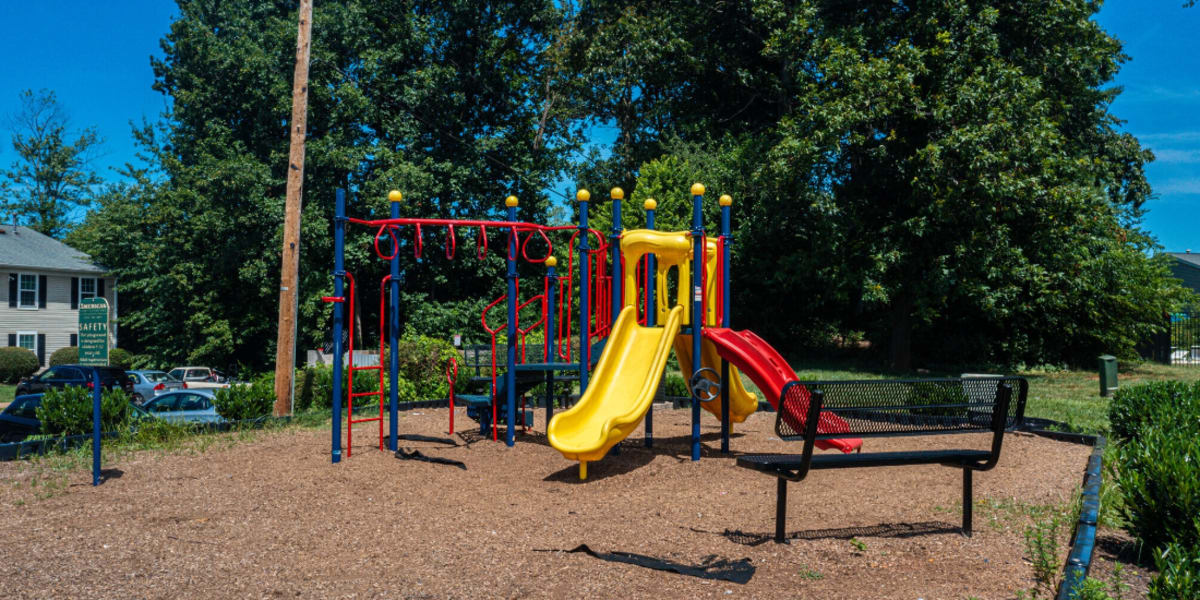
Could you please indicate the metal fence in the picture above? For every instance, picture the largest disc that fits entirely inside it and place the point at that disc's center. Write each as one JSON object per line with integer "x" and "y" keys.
{"x": 1185, "y": 338}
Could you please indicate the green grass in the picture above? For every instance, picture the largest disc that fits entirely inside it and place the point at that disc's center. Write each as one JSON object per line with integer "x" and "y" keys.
{"x": 1072, "y": 397}
{"x": 7, "y": 392}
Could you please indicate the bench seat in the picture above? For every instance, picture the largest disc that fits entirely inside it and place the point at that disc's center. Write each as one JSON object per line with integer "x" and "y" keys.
{"x": 881, "y": 408}
{"x": 785, "y": 464}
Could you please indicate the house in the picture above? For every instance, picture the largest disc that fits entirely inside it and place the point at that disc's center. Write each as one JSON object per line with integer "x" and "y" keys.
{"x": 1186, "y": 267}
{"x": 39, "y": 308}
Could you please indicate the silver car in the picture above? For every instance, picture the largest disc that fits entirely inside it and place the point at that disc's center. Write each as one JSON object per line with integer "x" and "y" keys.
{"x": 148, "y": 384}
{"x": 185, "y": 406}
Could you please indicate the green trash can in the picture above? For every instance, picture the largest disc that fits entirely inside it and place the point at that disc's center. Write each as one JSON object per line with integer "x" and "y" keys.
{"x": 1108, "y": 375}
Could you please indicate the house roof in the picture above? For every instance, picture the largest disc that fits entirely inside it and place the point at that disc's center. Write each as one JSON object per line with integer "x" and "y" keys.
{"x": 22, "y": 247}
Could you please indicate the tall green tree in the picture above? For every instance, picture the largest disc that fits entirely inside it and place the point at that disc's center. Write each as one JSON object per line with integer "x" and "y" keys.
{"x": 449, "y": 102}
{"x": 52, "y": 176}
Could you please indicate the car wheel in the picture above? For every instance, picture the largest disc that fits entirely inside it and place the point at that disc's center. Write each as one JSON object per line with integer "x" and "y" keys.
{"x": 138, "y": 399}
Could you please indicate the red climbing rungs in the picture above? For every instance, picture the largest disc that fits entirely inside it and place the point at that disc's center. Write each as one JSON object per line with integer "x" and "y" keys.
{"x": 350, "y": 393}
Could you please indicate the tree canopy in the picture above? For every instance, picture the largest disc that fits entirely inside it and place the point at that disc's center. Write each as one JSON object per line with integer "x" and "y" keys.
{"x": 943, "y": 178}
{"x": 51, "y": 176}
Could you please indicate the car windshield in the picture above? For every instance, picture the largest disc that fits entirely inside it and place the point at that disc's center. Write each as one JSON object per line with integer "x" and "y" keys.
{"x": 25, "y": 407}
{"x": 157, "y": 376}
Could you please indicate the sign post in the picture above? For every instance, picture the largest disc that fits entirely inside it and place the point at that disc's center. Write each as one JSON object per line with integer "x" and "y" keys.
{"x": 93, "y": 332}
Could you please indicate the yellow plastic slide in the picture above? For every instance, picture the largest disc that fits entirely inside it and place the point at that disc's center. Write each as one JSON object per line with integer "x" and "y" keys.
{"x": 742, "y": 402}
{"x": 620, "y": 391}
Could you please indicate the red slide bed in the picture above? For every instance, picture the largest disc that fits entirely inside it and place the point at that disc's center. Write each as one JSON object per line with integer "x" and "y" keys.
{"x": 767, "y": 369}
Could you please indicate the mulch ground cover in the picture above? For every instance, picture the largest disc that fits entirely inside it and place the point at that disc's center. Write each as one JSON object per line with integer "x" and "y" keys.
{"x": 273, "y": 518}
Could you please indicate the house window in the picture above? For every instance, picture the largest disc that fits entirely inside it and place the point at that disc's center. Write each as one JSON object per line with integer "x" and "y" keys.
{"x": 27, "y": 340}
{"x": 27, "y": 291}
{"x": 87, "y": 287}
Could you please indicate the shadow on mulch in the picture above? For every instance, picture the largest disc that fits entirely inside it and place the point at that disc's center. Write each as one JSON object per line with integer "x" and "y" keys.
{"x": 712, "y": 567}
{"x": 1124, "y": 549}
{"x": 883, "y": 530}
{"x": 633, "y": 455}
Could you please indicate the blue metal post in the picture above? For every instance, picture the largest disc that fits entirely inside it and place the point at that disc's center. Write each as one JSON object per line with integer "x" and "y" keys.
{"x": 725, "y": 201}
{"x": 584, "y": 270}
{"x": 697, "y": 305}
{"x": 510, "y": 379}
{"x": 617, "y": 196}
{"x": 651, "y": 307}
{"x": 551, "y": 351}
{"x": 339, "y": 291}
{"x": 96, "y": 392}
{"x": 393, "y": 338}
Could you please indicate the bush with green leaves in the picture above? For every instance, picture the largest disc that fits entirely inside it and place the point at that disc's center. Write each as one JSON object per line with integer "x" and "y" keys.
{"x": 1178, "y": 573}
{"x": 244, "y": 402}
{"x": 1134, "y": 407}
{"x": 422, "y": 361}
{"x": 120, "y": 358}
{"x": 68, "y": 411}
{"x": 314, "y": 386}
{"x": 934, "y": 394}
{"x": 1159, "y": 473}
{"x": 16, "y": 363}
{"x": 1157, "y": 427}
{"x": 68, "y": 355}
{"x": 676, "y": 386}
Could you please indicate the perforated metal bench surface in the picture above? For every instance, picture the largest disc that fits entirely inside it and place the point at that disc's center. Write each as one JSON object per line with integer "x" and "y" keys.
{"x": 818, "y": 410}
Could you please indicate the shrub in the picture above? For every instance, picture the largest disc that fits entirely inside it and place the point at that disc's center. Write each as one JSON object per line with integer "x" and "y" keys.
{"x": 315, "y": 386}
{"x": 675, "y": 385}
{"x": 68, "y": 411}
{"x": 1159, "y": 473}
{"x": 1178, "y": 573}
{"x": 119, "y": 358}
{"x": 933, "y": 394}
{"x": 16, "y": 363}
{"x": 247, "y": 401}
{"x": 422, "y": 361}
{"x": 65, "y": 356}
{"x": 1132, "y": 408}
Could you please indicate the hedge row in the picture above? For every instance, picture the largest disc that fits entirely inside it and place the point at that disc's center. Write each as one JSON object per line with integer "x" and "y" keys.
{"x": 1157, "y": 430}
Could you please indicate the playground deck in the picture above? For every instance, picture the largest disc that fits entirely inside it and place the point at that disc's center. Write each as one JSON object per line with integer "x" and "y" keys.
{"x": 272, "y": 517}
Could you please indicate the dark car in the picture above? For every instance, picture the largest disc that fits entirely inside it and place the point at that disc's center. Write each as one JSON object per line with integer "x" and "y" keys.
{"x": 19, "y": 420}
{"x": 64, "y": 375}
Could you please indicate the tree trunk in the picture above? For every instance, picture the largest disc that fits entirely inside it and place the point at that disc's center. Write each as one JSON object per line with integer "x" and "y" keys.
{"x": 901, "y": 346}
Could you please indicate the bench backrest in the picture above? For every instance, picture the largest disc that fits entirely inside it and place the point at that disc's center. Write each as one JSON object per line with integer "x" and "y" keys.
{"x": 877, "y": 408}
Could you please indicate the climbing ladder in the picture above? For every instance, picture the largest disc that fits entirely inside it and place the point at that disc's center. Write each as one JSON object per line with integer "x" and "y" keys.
{"x": 378, "y": 368}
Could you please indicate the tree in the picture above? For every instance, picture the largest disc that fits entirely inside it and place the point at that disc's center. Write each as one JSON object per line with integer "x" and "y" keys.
{"x": 449, "y": 102}
{"x": 51, "y": 177}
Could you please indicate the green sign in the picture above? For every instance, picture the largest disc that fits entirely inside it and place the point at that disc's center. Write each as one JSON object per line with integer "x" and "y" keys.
{"x": 93, "y": 332}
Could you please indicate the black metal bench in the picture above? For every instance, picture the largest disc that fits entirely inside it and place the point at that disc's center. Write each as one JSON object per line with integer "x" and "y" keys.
{"x": 888, "y": 408}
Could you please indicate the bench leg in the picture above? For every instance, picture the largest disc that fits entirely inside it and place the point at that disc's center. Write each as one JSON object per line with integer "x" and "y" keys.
{"x": 968, "y": 505}
{"x": 780, "y": 511}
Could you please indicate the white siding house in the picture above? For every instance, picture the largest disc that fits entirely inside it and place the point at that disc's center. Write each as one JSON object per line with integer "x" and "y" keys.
{"x": 43, "y": 282}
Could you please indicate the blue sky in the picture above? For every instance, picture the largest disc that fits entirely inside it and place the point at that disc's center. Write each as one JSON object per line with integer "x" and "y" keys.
{"x": 95, "y": 56}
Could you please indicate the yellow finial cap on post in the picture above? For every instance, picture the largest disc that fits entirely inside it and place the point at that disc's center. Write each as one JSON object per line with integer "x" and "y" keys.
{"x": 617, "y": 194}
{"x": 650, "y": 204}
{"x": 510, "y": 201}
{"x": 395, "y": 196}
{"x": 697, "y": 189}
{"x": 583, "y": 195}
{"x": 551, "y": 262}
{"x": 725, "y": 200}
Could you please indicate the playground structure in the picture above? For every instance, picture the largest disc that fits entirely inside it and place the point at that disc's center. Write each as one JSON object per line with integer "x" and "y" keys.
{"x": 627, "y": 315}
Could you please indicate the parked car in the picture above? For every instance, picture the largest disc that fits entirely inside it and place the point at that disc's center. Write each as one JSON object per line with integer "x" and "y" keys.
{"x": 200, "y": 377}
{"x": 148, "y": 384}
{"x": 185, "y": 406}
{"x": 64, "y": 375}
{"x": 19, "y": 420}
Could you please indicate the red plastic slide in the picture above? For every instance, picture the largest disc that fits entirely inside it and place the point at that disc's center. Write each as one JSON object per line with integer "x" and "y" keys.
{"x": 767, "y": 369}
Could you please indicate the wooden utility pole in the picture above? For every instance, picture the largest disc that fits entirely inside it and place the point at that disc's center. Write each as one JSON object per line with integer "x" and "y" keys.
{"x": 285, "y": 354}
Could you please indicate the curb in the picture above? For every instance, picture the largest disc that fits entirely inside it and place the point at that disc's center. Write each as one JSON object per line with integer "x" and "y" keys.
{"x": 1079, "y": 561}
